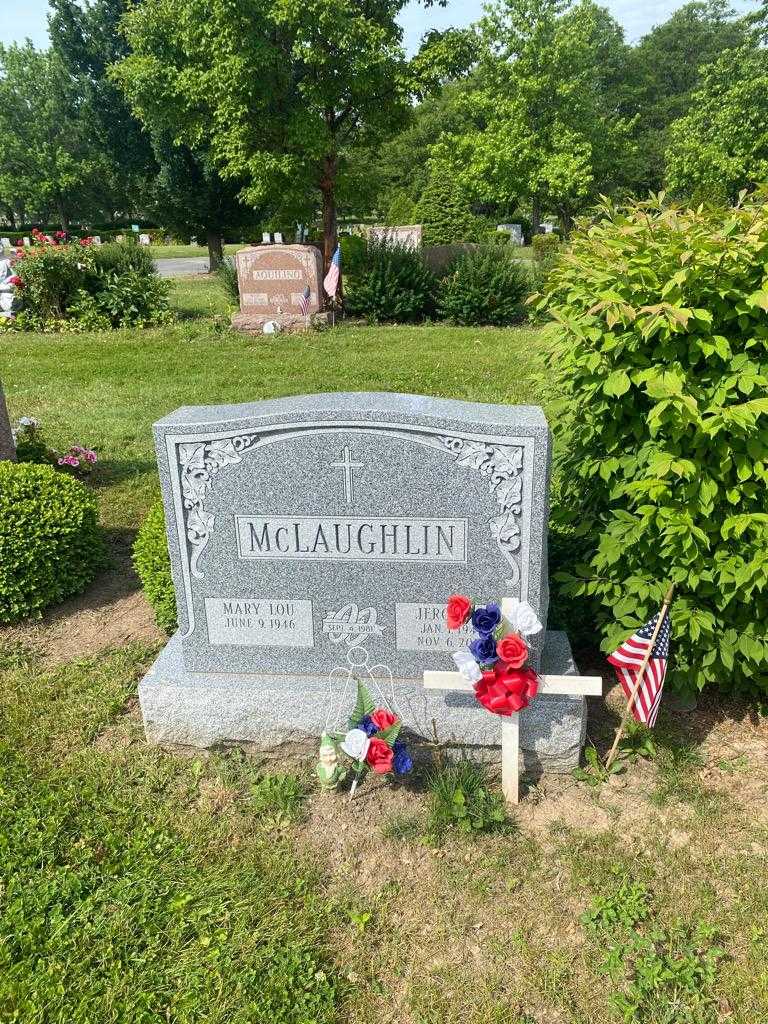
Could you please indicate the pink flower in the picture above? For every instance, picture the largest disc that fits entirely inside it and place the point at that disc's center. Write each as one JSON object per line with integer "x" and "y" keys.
{"x": 69, "y": 460}
{"x": 90, "y": 456}
{"x": 16, "y": 281}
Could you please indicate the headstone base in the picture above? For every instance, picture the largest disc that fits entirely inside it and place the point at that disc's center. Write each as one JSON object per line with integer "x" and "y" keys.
{"x": 253, "y": 323}
{"x": 269, "y": 712}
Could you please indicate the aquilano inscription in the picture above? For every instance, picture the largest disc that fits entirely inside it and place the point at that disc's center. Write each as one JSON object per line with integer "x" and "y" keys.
{"x": 352, "y": 539}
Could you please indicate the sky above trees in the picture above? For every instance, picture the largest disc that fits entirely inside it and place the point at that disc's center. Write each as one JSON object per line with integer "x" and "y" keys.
{"x": 28, "y": 19}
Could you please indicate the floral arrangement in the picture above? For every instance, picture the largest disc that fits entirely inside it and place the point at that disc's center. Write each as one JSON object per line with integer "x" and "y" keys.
{"x": 495, "y": 660}
{"x": 372, "y": 743}
{"x": 31, "y": 447}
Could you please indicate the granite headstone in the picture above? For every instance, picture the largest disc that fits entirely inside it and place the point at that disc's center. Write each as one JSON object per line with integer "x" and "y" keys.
{"x": 310, "y": 532}
{"x": 272, "y": 280}
{"x": 7, "y": 444}
{"x": 407, "y": 235}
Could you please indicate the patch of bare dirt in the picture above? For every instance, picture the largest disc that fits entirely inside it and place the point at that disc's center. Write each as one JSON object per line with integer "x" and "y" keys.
{"x": 112, "y": 612}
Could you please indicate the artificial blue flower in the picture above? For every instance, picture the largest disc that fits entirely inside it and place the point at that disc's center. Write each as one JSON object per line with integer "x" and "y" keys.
{"x": 402, "y": 761}
{"x": 368, "y": 726}
{"x": 485, "y": 620}
{"x": 483, "y": 650}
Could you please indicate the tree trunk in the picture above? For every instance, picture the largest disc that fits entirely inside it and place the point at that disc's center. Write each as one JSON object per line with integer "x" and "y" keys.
{"x": 535, "y": 215}
{"x": 63, "y": 218}
{"x": 215, "y": 250}
{"x": 330, "y": 219}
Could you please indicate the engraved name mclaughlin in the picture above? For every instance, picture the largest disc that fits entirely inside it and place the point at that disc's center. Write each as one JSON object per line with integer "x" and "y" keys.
{"x": 353, "y": 539}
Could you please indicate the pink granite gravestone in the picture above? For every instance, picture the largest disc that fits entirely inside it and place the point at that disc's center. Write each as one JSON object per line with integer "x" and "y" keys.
{"x": 272, "y": 280}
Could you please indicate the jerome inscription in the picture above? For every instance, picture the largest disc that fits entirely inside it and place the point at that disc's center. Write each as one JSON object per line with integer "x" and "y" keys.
{"x": 352, "y": 539}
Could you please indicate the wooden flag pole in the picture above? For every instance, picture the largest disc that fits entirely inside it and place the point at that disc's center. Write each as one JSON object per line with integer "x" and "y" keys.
{"x": 640, "y": 676}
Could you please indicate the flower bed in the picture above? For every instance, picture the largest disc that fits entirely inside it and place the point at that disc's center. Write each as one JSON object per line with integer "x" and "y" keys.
{"x": 62, "y": 284}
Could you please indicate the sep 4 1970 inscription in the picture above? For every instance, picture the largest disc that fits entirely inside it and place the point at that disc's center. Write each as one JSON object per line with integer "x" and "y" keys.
{"x": 304, "y": 527}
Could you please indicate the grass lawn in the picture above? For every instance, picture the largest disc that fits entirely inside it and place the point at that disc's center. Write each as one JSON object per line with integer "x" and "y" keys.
{"x": 168, "y": 252}
{"x": 139, "y": 886}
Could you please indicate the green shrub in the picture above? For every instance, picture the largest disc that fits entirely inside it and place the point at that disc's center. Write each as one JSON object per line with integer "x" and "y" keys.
{"x": 393, "y": 284}
{"x": 53, "y": 276}
{"x": 51, "y": 546}
{"x": 352, "y": 254}
{"x": 119, "y": 257}
{"x": 84, "y": 287}
{"x": 444, "y": 210}
{"x": 485, "y": 286}
{"x": 227, "y": 275}
{"x": 153, "y": 565}
{"x": 130, "y": 298}
{"x": 546, "y": 246}
{"x": 662, "y": 361}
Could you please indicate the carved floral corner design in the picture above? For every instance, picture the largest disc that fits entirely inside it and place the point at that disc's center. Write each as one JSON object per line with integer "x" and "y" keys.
{"x": 199, "y": 462}
{"x": 502, "y": 465}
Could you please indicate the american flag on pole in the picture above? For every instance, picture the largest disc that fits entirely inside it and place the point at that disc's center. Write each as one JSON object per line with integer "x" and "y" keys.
{"x": 304, "y": 301}
{"x": 332, "y": 278}
{"x": 627, "y": 660}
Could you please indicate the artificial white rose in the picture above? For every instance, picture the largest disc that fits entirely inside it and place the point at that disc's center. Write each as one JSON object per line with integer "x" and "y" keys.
{"x": 467, "y": 666}
{"x": 355, "y": 744}
{"x": 522, "y": 618}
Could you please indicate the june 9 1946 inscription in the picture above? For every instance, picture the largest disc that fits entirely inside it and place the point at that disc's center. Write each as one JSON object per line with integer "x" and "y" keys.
{"x": 303, "y": 527}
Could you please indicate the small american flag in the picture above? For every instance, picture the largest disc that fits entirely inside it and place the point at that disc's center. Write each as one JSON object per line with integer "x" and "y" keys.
{"x": 627, "y": 660}
{"x": 304, "y": 301}
{"x": 332, "y": 278}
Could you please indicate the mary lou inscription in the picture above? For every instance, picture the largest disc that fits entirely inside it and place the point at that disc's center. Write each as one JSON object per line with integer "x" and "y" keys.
{"x": 303, "y": 529}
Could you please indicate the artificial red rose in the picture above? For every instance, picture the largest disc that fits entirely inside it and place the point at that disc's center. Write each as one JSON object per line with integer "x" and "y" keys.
{"x": 513, "y": 650}
{"x": 506, "y": 690}
{"x": 382, "y": 718}
{"x": 16, "y": 281}
{"x": 459, "y": 610}
{"x": 380, "y": 756}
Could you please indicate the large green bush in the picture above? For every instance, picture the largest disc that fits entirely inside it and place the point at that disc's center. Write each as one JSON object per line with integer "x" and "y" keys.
{"x": 82, "y": 286}
{"x": 393, "y": 283}
{"x": 153, "y": 565}
{"x": 486, "y": 286}
{"x": 662, "y": 361}
{"x": 51, "y": 546}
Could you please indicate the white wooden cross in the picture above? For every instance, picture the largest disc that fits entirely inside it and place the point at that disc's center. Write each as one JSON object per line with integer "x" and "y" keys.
{"x": 572, "y": 686}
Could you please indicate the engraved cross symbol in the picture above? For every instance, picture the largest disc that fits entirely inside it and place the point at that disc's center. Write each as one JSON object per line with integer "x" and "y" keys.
{"x": 348, "y": 466}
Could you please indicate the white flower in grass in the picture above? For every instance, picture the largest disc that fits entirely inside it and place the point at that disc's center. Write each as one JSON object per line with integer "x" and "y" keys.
{"x": 522, "y": 618}
{"x": 355, "y": 744}
{"x": 28, "y": 421}
{"x": 467, "y": 666}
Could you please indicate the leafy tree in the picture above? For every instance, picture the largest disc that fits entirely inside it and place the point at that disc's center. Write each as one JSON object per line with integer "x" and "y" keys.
{"x": 721, "y": 145}
{"x": 665, "y": 70}
{"x": 191, "y": 197}
{"x": 50, "y": 156}
{"x": 282, "y": 91}
{"x": 546, "y": 128}
{"x": 398, "y": 169}
{"x": 88, "y": 41}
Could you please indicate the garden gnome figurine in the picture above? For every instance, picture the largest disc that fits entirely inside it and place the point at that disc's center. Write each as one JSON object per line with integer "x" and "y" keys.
{"x": 329, "y": 771}
{"x": 7, "y": 446}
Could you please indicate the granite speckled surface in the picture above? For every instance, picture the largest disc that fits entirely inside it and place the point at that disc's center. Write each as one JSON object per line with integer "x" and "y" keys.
{"x": 264, "y": 500}
{"x": 181, "y": 708}
{"x": 317, "y": 533}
